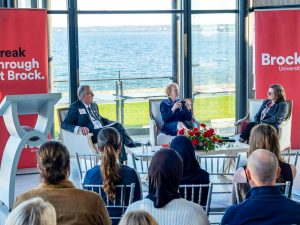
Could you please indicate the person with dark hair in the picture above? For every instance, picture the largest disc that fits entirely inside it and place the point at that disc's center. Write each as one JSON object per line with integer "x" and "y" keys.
{"x": 175, "y": 113}
{"x": 192, "y": 172}
{"x": 264, "y": 204}
{"x": 72, "y": 205}
{"x": 164, "y": 202}
{"x": 111, "y": 172}
{"x": 273, "y": 111}
{"x": 84, "y": 117}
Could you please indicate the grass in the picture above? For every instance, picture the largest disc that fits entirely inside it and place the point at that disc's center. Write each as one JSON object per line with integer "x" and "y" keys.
{"x": 136, "y": 114}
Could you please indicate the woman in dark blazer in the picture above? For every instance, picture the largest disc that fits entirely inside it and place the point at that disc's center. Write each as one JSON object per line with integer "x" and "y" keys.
{"x": 175, "y": 112}
{"x": 273, "y": 111}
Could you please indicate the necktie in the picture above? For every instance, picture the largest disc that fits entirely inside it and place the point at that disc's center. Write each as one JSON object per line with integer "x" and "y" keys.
{"x": 93, "y": 114}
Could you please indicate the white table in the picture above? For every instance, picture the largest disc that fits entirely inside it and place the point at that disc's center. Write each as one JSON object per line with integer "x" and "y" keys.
{"x": 232, "y": 148}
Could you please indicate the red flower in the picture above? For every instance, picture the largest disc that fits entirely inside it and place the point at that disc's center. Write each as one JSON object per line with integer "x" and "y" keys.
{"x": 205, "y": 143}
{"x": 203, "y": 125}
{"x": 214, "y": 139}
{"x": 197, "y": 133}
{"x": 221, "y": 141}
{"x": 180, "y": 132}
{"x": 195, "y": 142}
{"x": 191, "y": 133}
{"x": 207, "y": 134}
{"x": 211, "y": 130}
{"x": 195, "y": 129}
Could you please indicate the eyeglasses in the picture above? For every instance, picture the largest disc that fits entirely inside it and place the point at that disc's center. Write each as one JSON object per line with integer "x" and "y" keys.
{"x": 90, "y": 93}
{"x": 270, "y": 93}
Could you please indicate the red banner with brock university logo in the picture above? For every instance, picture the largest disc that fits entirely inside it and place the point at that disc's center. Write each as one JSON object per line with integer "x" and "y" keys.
{"x": 277, "y": 58}
{"x": 23, "y": 65}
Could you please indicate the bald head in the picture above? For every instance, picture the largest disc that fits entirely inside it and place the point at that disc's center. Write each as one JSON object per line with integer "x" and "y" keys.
{"x": 262, "y": 168}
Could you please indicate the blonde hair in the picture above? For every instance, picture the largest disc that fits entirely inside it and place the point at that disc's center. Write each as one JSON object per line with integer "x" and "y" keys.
{"x": 264, "y": 136}
{"x": 109, "y": 141}
{"x": 138, "y": 218}
{"x": 169, "y": 87}
{"x": 34, "y": 211}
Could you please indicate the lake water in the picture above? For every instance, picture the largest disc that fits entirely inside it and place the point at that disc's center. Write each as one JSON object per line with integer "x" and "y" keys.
{"x": 142, "y": 53}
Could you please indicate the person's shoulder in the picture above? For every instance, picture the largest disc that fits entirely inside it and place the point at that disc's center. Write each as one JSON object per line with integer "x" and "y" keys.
{"x": 94, "y": 104}
{"x": 26, "y": 195}
{"x": 76, "y": 104}
{"x": 92, "y": 176}
{"x": 165, "y": 102}
{"x": 94, "y": 171}
{"x": 141, "y": 204}
{"x": 185, "y": 204}
{"x": 233, "y": 209}
{"x": 283, "y": 104}
{"x": 126, "y": 168}
{"x": 128, "y": 171}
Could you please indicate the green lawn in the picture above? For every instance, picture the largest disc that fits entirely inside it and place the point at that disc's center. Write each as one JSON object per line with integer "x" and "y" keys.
{"x": 136, "y": 114}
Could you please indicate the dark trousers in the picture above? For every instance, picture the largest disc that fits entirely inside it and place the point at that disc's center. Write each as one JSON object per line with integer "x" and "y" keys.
{"x": 246, "y": 133}
{"x": 125, "y": 138}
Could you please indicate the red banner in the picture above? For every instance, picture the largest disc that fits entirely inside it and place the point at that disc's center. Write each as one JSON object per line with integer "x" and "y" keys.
{"x": 277, "y": 58}
{"x": 23, "y": 64}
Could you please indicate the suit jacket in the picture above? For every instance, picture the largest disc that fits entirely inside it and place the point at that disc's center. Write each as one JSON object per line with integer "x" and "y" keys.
{"x": 75, "y": 118}
{"x": 73, "y": 206}
{"x": 275, "y": 116}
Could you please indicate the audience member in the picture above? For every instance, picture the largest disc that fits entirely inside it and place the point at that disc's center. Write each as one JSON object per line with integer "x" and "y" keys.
{"x": 72, "y": 205}
{"x": 163, "y": 201}
{"x": 83, "y": 117}
{"x": 111, "y": 173}
{"x": 263, "y": 136}
{"x": 264, "y": 203}
{"x": 34, "y": 211}
{"x": 175, "y": 112}
{"x": 192, "y": 172}
{"x": 273, "y": 111}
{"x": 138, "y": 217}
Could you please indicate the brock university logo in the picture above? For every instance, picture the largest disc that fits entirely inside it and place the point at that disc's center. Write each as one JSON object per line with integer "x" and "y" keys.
{"x": 284, "y": 63}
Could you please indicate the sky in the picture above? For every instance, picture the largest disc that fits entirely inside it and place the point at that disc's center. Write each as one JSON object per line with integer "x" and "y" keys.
{"x": 138, "y": 19}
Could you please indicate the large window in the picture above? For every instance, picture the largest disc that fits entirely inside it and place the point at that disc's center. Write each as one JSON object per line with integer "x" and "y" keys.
{"x": 213, "y": 69}
{"x": 135, "y": 48}
{"x": 130, "y": 50}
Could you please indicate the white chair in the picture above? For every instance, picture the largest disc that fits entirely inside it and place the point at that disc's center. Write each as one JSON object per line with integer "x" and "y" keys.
{"x": 75, "y": 143}
{"x": 286, "y": 189}
{"x": 285, "y": 128}
{"x": 290, "y": 157}
{"x": 218, "y": 201}
{"x": 219, "y": 164}
{"x": 156, "y": 124}
{"x": 124, "y": 197}
{"x": 195, "y": 193}
{"x": 86, "y": 162}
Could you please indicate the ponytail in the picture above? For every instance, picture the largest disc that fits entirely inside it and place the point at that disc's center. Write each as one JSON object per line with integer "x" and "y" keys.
{"x": 110, "y": 168}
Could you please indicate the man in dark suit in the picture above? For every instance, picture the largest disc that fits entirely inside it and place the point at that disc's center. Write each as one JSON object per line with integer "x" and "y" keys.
{"x": 83, "y": 117}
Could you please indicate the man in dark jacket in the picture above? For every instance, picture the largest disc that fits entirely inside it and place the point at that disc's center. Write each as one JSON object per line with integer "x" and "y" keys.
{"x": 83, "y": 117}
{"x": 264, "y": 203}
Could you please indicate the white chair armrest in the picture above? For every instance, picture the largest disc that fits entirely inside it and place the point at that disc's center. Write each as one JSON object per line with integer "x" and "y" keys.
{"x": 153, "y": 132}
{"x": 78, "y": 143}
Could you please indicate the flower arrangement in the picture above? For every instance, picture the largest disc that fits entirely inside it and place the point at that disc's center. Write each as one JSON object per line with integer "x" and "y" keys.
{"x": 203, "y": 139}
